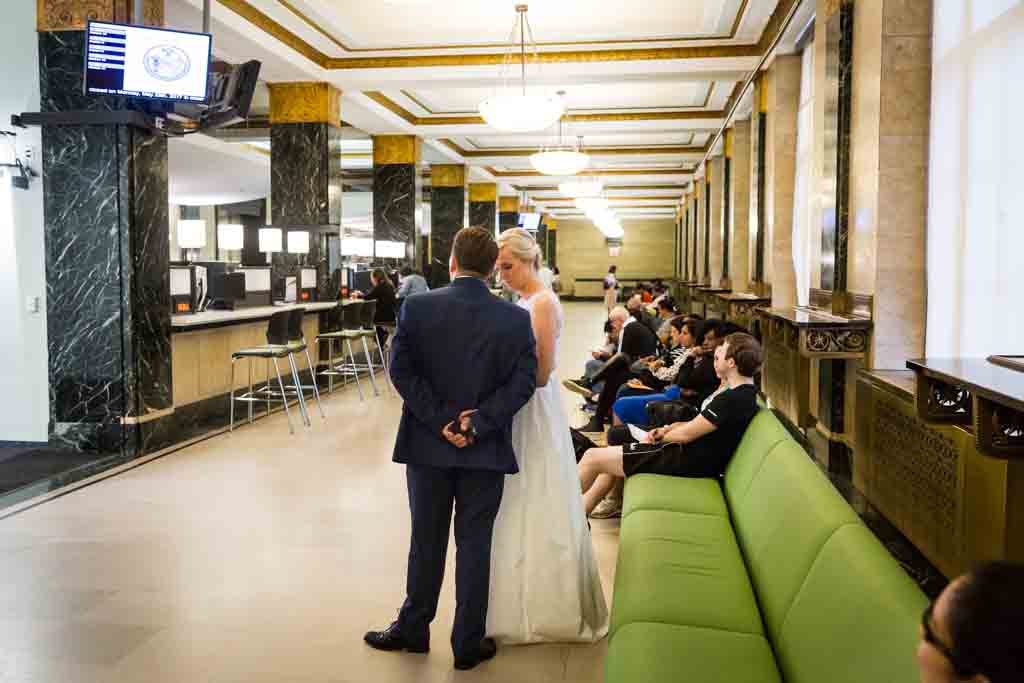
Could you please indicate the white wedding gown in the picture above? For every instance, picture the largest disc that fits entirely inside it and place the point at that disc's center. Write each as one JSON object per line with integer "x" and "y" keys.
{"x": 544, "y": 580}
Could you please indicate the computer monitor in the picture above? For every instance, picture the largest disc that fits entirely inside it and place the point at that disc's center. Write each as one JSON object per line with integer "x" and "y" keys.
{"x": 529, "y": 221}
{"x": 227, "y": 287}
{"x": 146, "y": 63}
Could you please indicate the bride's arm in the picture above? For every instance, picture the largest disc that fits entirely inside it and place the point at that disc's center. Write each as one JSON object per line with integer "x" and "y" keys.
{"x": 545, "y": 327}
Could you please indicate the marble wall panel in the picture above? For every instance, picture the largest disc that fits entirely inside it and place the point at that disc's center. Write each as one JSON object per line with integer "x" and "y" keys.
{"x": 783, "y": 84}
{"x": 299, "y": 174}
{"x": 447, "y": 217}
{"x": 397, "y": 204}
{"x": 507, "y": 220}
{"x": 484, "y": 214}
{"x": 758, "y": 192}
{"x": 739, "y": 242}
{"x": 553, "y": 250}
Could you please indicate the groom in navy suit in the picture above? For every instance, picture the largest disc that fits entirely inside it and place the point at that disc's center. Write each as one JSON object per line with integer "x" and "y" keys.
{"x": 464, "y": 362}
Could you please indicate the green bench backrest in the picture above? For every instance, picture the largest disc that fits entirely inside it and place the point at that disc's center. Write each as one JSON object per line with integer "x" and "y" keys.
{"x": 835, "y": 604}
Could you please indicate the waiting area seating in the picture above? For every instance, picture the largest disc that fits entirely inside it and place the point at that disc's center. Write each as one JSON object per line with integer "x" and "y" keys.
{"x": 767, "y": 576}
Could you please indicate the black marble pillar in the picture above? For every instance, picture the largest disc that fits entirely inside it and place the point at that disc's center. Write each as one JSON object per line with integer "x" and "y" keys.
{"x": 553, "y": 249}
{"x": 448, "y": 215}
{"x": 483, "y": 214}
{"x": 106, "y": 238}
{"x": 397, "y": 204}
{"x": 507, "y": 220}
{"x": 305, "y": 173}
{"x": 726, "y": 221}
{"x": 542, "y": 239}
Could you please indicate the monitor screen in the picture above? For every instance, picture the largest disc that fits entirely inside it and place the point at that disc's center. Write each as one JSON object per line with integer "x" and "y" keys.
{"x": 150, "y": 63}
{"x": 530, "y": 221}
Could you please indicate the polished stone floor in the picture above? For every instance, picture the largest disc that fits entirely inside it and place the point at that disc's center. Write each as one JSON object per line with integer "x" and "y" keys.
{"x": 246, "y": 558}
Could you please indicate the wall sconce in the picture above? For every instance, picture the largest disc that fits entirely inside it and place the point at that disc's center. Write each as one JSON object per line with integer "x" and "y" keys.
{"x": 191, "y": 235}
{"x": 298, "y": 242}
{"x": 270, "y": 240}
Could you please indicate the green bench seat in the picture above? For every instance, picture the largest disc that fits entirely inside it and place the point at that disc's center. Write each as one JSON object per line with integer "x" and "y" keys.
{"x": 766, "y": 576}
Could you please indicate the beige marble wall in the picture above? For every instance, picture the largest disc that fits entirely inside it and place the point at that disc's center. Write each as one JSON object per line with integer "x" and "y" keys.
{"x": 739, "y": 227}
{"x": 783, "y": 90}
{"x": 905, "y": 99}
{"x": 716, "y": 243}
{"x": 646, "y": 251}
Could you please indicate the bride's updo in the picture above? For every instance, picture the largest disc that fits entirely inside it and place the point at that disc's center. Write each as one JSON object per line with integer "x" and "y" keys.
{"x": 522, "y": 245}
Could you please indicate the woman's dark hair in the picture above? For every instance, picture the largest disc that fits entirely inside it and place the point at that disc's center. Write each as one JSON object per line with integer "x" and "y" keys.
{"x": 556, "y": 271}
{"x": 380, "y": 275}
{"x": 678, "y": 322}
{"x": 406, "y": 271}
{"x": 986, "y": 612}
{"x": 667, "y": 304}
{"x": 710, "y": 325}
{"x": 612, "y": 269}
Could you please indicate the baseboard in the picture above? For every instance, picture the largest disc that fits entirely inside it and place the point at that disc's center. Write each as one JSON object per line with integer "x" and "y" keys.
{"x": 23, "y": 444}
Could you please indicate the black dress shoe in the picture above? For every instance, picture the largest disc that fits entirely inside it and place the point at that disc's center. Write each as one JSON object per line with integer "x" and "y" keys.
{"x": 488, "y": 648}
{"x": 391, "y": 639}
{"x": 595, "y": 425}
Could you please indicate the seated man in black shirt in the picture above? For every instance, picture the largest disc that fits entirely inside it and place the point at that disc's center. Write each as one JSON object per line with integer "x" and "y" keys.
{"x": 701, "y": 447}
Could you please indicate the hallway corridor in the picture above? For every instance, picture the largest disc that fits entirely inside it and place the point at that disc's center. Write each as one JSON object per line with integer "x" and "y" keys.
{"x": 247, "y": 558}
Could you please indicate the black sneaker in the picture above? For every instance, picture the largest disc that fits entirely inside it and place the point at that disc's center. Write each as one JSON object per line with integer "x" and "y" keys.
{"x": 391, "y": 639}
{"x": 594, "y": 426}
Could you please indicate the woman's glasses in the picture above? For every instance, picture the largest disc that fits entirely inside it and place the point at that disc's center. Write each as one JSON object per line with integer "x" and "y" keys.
{"x": 949, "y": 653}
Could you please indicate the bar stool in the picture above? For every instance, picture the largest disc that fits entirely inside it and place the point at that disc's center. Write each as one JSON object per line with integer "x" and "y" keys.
{"x": 348, "y": 329}
{"x": 276, "y": 347}
{"x": 297, "y": 344}
{"x": 369, "y": 331}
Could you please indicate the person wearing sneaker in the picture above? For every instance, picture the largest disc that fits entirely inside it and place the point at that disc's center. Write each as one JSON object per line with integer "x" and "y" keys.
{"x": 611, "y": 506}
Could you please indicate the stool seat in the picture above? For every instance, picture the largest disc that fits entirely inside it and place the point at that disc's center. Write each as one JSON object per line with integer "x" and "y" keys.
{"x": 274, "y": 351}
{"x": 341, "y": 334}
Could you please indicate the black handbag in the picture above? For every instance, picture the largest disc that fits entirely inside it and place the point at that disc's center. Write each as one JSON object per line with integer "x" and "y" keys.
{"x": 580, "y": 443}
{"x": 662, "y": 413}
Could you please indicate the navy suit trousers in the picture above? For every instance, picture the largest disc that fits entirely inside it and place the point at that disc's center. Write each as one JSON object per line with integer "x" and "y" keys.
{"x": 475, "y": 496}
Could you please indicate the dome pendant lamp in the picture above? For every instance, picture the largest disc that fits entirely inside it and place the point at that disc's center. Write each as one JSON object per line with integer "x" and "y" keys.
{"x": 516, "y": 110}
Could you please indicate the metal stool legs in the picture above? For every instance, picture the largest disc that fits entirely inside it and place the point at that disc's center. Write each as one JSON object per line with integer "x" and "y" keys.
{"x": 251, "y": 396}
{"x": 316, "y": 388}
{"x": 369, "y": 363}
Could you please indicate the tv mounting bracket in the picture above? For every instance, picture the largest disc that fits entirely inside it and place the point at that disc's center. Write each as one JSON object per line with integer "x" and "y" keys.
{"x": 134, "y": 118}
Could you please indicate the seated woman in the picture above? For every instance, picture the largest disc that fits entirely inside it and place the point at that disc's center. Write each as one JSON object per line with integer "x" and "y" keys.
{"x": 701, "y": 447}
{"x": 666, "y": 313}
{"x": 383, "y": 292}
{"x": 693, "y": 382}
{"x": 971, "y": 633}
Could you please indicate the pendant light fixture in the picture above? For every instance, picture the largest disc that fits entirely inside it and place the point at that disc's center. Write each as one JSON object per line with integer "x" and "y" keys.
{"x": 515, "y": 110}
{"x": 561, "y": 160}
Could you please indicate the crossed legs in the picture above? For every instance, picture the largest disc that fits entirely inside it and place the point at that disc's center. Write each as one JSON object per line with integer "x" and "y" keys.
{"x": 598, "y": 468}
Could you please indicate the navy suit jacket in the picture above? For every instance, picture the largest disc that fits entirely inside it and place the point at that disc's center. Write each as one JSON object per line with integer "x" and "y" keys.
{"x": 460, "y": 348}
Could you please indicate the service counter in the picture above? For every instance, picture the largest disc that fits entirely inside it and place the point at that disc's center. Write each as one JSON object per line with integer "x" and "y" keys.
{"x": 202, "y": 344}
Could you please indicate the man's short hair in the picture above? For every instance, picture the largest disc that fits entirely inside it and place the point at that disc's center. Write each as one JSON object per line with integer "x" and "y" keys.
{"x": 406, "y": 271}
{"x": 475, "y": 251}
{"x": 745, "y": 351}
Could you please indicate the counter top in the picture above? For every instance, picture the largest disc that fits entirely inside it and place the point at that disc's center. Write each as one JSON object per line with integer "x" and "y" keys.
{"x": 742, "y": 296}
{"x": 804, "y": 317}
{"x": 982, "y": 377}
{"x": 184, "y": 323}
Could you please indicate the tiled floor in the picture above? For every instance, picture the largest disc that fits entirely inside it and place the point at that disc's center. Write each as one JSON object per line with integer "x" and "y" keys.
{"x": 248, "y": 557}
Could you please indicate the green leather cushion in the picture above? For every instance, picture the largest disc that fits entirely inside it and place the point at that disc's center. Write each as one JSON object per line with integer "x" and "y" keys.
{"x": 782, "y": 522}
{"x": 663, "y": 653}
{"x": 673, "y": 494}
{"x": 855, "y": 618}
{"x": 684, "y": 569}
{"x": 762, "y": 435}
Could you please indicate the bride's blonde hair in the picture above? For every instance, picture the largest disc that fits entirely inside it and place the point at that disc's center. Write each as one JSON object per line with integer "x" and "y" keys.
{"x": 522, "y": 245}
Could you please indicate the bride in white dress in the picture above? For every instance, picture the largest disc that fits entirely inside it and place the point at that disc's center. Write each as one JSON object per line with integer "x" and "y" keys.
{"x": 544, "y": 579}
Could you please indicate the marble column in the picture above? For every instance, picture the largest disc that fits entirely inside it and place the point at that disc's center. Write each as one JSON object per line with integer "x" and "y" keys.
{"x": 739, "y": 210}
{"x": 483, "y": 205}
{"x": 508, "y": 213}
{"x": 783, "y": 101}
{"x": 397, "y": 192}
{"x": 700, "y": 236}
{"x": 716, "y": 204}
{"x": 448, "y": 215}
{"x": 305, "y": 169}
{"x": 553, "y": 244}
{"x": 694, "y": 209}
{"x": 542, "y": 236}
{"x": 105, "y": 208}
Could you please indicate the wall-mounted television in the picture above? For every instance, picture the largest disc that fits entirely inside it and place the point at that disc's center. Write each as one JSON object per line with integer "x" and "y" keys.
{"x": 529, "y": 221}
{"x": 147, "y": 63}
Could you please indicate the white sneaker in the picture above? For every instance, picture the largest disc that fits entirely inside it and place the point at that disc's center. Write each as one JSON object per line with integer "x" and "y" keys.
{"x": 607, "y": 509}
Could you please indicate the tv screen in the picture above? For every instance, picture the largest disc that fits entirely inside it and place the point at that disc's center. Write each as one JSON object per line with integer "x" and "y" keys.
{"x": 148, "y": 63}
{"x": 530, "y": 221}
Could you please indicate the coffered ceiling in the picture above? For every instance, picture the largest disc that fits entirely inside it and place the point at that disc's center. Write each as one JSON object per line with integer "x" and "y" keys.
{"x": 648, "y": 84}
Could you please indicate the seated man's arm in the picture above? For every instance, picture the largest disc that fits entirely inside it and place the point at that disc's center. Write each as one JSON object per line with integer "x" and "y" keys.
{"x": 500, "y": 407}
{"x": 685, "y": 432}
{"x": 414, "y": 389}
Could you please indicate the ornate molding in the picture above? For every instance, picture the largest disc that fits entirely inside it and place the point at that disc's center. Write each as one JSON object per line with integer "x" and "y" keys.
{"x": 448, "y": 175}
{"x": 74, "y": 15}
{"x": 834, "y": 342}
{"x": 483, "y": 192}
{"x": 998, "y": 429}
{"x": 396, "y": 149}
{"x": 939, "y": 401}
